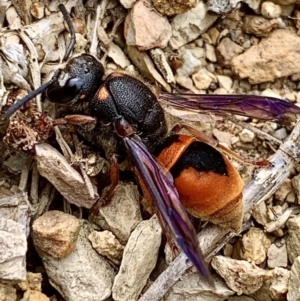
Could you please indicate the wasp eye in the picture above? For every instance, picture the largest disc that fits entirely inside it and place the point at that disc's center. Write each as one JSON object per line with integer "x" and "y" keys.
{"x": 65, "y": 93}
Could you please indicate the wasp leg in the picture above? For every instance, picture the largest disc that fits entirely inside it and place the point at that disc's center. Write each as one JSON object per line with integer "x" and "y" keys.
{"x": 201, "y": 136}
{"x": 74, "y": 119}
{"x": 114, "y": 178}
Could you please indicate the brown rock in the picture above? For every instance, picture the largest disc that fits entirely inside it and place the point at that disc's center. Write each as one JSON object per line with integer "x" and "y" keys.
{"x": 7, "y": 292}
{"x": 106, "y": 244}
{"x": 283, "y": 190}
{"x": 37, "y": 10}
{"x": 186, "y": 82}
{"x": 240, "y": 275}
{"x": 145, "y": 28}
{"x": 213, "y": 34}
{"x": 174, "y": 7}
{"x": 226, "y": 51}
{"x": 55, "y": 233}
{"x": 268, "y": 60}
{"x": 253, "y": 246}
{"x": 288, "y": 10}
{"x": 259, "y": 26}
{"x": 34, "y": 281}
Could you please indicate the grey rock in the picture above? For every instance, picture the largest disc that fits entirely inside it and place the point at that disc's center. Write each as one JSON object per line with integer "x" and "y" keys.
{"x": 139, "y": 259}
{"x": 122, "y": 214}
{"x": 193, "y": 288}
{"x": 294, "y": 282}
{"x": 293, "y": 239}
{"x": 188, "y": 26}
{"x": 277, "y": 256}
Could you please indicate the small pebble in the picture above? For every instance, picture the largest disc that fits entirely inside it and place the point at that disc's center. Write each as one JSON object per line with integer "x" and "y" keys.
{"x": 246, "y": 136}
{"x": 202, "y": 79}
{"x": 280, "y": 134}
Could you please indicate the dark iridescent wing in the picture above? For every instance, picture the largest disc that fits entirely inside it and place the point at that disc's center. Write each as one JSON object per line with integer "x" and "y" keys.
{"x": 173, "y": 215}
{"x": 266, "y": 108}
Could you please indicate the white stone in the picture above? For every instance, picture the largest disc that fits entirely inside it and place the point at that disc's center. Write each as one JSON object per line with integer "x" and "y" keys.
{"x": 270, "y": 10}
{"x": 190, "y": 64}
{"x": 225, "y": 82}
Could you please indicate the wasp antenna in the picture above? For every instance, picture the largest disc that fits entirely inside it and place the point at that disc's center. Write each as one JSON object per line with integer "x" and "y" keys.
{"x": 31, "y": 95}
{"x": 68, "y": 19}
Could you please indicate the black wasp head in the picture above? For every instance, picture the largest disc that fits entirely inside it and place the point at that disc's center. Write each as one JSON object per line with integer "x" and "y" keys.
{"x": 74, "y": 84}
{"x": 78, "y": 81}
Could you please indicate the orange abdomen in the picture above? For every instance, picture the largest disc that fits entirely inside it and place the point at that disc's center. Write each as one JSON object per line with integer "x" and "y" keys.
{"x": 208, "y": 185}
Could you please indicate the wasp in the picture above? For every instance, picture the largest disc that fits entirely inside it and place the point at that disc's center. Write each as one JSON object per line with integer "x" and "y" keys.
{"x": 176, "y": 172}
